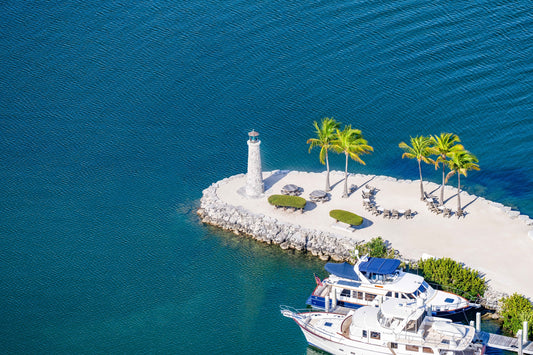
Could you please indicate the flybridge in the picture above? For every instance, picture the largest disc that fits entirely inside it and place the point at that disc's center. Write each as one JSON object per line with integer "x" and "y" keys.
{"x": 379, "y": 266}
{"x": 376, "y": 266}
{"x": 344, "y": 270}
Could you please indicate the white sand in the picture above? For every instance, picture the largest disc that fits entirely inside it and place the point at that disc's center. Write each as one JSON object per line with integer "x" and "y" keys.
{"x": 487, "y": 239}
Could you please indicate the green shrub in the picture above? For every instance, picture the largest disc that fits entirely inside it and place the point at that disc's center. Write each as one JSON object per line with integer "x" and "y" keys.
{"x": 515, "y": 310}
{"x": 287, "y": 201}
{"x": 376, "y": 248}
{"x": 453, "y": 277}
{"x": 346, "y": 217}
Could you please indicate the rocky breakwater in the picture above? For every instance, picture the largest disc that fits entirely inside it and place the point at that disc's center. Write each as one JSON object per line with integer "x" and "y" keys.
{"x": 269, "y": 230}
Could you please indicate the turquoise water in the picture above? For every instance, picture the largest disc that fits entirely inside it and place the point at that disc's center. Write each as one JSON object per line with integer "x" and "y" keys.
{"x": 114, "y": 117}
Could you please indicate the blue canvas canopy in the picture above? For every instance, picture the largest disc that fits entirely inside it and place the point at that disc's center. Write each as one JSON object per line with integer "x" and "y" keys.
{"x": 343, "y": 270}
{"x": 379, "y": 266}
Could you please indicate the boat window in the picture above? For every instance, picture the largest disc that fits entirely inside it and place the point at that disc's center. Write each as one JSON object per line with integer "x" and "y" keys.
{"x": 416, "y": 293}
{"x": 396, "y": 295}
{"x": 389, "y": 294}
{"x": 375, "y": 335}
{"x": 411, "y": 296}
{"x": 414, "y": 324}
{"x": 359, "y": 295}
{"x": 404, "y": 296}
{"x": 394, "y": 345}
{"x": 364, "y": 334}
{"x": 369, "y": 296}
{"x": 345, "y": 293}
{"x": 422, "y": 288}
{"x": 411, "y": 326}
{"x": 427, "y": 350}
{"x": 411, "y": 348}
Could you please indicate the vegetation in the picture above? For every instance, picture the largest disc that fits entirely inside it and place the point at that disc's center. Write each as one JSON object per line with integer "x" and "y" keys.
{"x": 453, "y": 277}
{"x": 350, "y": 142}
{"x": 515, "y": 310}
{"x": 325, "y": 133}
{"x": 376, "y": 248}
{"x": 287, "y": 201}
{"x": 419, "y": 150}
{"x": 346, "y": 217}
{"x": 460, "y": 162}
{"x": 444, "y": 146}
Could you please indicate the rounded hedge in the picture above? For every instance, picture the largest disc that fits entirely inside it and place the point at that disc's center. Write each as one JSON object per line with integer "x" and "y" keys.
{"x": 346, "y": 217}
{"x": 287, "y": 201}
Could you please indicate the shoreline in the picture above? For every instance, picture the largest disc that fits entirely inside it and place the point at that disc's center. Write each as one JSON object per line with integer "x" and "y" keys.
{"x": 491, "y": 238}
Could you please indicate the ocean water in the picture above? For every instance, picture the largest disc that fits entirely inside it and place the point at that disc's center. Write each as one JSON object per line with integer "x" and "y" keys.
{"x": 114, "y": 116}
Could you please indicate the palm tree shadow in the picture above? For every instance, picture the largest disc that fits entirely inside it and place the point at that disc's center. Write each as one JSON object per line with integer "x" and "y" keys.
{"x": 351, "y": 191}
{"x": 335, "y": 184}
{"x": 436, "y": 189}
{"x": 366, "y": 182}
{"x": 469, "y": 203}
{"x": 450, "y": 198}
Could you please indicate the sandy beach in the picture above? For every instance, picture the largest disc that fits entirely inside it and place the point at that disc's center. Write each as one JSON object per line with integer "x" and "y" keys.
{"x": 489, "y": 238}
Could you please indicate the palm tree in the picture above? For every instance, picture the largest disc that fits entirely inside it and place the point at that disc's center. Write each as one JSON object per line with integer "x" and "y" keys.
{"x": 350, "y": 142}
{"x": 419, "y": 150}
{"x": 325, "y": 134}
{"x": 460, "y": 162}
{"x": 443, "y": 146}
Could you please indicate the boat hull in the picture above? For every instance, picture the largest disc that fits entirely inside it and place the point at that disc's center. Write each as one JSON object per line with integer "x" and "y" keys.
{"x": 338, "y": 346}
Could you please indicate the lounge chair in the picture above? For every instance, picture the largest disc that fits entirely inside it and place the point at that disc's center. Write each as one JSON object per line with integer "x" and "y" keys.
{"x": 386, "y": 214}
{"x": 408, "y": 214}
{"x": 395, "y": 214}
{"x": 447, "y": 213}
{"x": 460, "y": 213}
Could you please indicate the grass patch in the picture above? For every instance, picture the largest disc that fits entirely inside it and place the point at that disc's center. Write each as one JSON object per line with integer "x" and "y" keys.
{"x": 346, "y": 217}
{"x": 453, "y": 277}
{"x": 287, "y": 201}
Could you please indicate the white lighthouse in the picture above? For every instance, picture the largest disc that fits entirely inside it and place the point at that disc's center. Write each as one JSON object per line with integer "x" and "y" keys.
{"x": 254, "y": 176}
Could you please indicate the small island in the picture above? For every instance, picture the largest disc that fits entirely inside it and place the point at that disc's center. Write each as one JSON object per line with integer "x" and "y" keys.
{"x": 486, "y": 236}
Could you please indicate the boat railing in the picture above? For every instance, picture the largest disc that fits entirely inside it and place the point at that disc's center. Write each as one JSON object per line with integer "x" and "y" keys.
{"x": 447, "y": 342}
{"x": 471, "y": 299}
{"x": 452, "y": 306}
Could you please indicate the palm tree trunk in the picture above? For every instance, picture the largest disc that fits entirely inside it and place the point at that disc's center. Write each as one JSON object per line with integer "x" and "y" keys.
{"x": 458, "y": 191}
{"x": 345, "y": 195}
{"x": 328, "y": 187}
{"x": 421, "y": 186}
{"x": 442, "y": 187}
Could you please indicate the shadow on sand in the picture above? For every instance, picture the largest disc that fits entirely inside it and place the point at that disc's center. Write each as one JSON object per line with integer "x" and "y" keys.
{"x": 272, "y": 180}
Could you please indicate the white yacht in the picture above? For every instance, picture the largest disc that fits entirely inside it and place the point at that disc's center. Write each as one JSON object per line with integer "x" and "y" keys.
{"x": 373, "y": 280}
{"x": 395, "y": 327}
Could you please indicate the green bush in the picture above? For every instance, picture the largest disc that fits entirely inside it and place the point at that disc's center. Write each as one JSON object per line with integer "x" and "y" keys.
{"x": 346, "y": 217}
{"x": 376, "y": 248}
{"x": 453, "y": 277}
{"x": 515, "y": 310}
{"x": 287, "y": 201}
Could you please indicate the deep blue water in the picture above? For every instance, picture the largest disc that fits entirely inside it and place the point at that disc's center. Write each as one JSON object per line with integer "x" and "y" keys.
{"x": 114, "y": 116}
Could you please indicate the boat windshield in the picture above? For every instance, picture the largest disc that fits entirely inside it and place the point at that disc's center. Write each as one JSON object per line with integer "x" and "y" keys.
{"x": 422, "y": 289}
{"x": 388, "y": 322}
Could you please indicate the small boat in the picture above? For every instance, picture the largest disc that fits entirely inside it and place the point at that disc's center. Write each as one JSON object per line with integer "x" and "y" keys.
{"x": 373, "y": 280}
{"x": 395, "y": 327}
